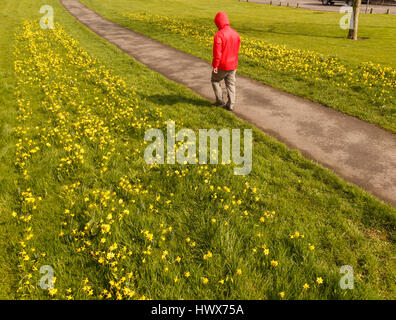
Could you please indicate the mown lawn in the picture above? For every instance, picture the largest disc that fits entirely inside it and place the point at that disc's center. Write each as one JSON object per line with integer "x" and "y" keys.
{"x": 77, "y": 195}
{"x": 300, "y": 51}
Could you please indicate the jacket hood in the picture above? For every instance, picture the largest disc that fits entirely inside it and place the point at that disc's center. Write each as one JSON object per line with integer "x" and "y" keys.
{"x": 221, "y": 20}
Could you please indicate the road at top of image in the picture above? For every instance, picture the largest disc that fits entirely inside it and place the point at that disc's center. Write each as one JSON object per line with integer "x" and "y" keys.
{"x": 317, "y": 5}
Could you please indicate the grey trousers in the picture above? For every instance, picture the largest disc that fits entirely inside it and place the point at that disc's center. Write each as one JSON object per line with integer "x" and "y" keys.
{"x": 229, "y": 79}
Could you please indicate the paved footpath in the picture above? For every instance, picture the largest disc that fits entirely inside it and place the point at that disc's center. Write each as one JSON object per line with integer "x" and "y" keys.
{"x": 359, "y": 152}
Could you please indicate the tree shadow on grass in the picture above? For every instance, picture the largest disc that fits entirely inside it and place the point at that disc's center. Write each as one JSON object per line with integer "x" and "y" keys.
{"x": 171, "y": 99}
{"x": 293, "y": 30}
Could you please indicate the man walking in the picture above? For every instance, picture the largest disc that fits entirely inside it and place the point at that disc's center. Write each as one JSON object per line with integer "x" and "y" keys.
{"x": 225, "y": 60}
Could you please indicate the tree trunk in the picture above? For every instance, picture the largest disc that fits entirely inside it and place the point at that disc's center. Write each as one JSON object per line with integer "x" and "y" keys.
{"x": 353, "y": 33}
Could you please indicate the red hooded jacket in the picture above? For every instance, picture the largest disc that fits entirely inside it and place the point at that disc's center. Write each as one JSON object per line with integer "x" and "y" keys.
{"x": 226, "y": 44}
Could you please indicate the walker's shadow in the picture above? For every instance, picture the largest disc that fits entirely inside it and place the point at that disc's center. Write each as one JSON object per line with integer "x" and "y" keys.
{"x": 171, "y": 99}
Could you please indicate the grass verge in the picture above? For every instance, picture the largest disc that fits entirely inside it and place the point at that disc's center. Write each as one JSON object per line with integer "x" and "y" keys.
{"x": 318, "y": 62}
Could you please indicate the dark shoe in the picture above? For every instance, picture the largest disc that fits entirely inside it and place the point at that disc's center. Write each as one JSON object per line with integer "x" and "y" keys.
{"x": 229, "y": 108}
{"x": 219, "y": 103}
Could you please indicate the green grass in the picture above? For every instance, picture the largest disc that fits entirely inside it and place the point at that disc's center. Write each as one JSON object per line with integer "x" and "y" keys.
{"x": 318, "y": 32}
{"x": 296, "y": 28}
{"x": 345, "y": 224}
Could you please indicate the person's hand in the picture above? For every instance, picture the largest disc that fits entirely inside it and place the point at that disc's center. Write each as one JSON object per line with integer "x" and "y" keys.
{"x": 215, "y": 70}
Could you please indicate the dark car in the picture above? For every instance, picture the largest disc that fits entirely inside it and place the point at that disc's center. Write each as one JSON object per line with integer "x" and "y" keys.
{"x": 331, "y": 2}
